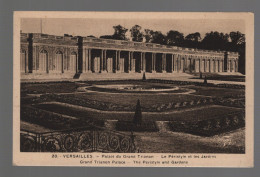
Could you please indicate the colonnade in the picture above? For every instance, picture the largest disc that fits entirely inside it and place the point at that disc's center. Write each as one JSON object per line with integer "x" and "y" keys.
{"x": 118, "y": 61}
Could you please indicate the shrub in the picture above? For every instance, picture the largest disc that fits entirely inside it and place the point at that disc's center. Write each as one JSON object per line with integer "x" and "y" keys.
{"x": 147, "y": 126}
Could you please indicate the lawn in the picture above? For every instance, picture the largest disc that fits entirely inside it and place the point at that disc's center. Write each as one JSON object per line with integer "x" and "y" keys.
{"x": 41, "y": 88}
{"x": 214, "y": 76}
{"x": 178, "y": 142}
{"x": 217, "y": 92}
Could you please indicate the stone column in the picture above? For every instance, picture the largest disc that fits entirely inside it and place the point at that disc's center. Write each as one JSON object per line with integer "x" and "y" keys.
{"x": 223, "y": 63}
{"x": 89, "y": 61}
{"x": 118, "y": 60}
{"x": 163, "y": 63}
{"x": 234, "y": 66}
{"x": 84, "y": 60}
{"x": 101, "y": 61}
{"x": 214, "y": 66}
{"x": 27, "y": 62}
{"x": 200, "y": 61}
{"x": 209, "y": 65}
{"x": 179, "y": 63}
{"x": 129, "y": 61}
{"x": 175, "y": 64}
{"x": 228, "y": 66}
{"x": 34, "y": 58}
{"x": 143, "y": 62}
{"x": 203, "y": 65}
{"x": 218, "y": 65}
{"x": 132, "y": 62}
{"x": 172, "y": 67}
{"x": 234, "y": 63}
{"x": 105, "y": 61}
{"x": 153, "y": 62}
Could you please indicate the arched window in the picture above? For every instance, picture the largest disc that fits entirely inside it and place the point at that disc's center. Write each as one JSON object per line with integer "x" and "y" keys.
{"x": 57, "y": 61}
{"x": 41, "y": 63}
{"x": 23, "y": 61}
{"x": 72, "y": 64}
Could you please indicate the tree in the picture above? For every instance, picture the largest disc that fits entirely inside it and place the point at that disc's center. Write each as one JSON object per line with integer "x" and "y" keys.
{"x": 148, "y": 35}
{"x": 192, "y": 40}
{"x": 237, "y": 38}
{"x": 215, "y": 41}
{"x": 158, "y": 37}
{"x": 238, "y": 44}
{"x": 195, "y": 37}
{"x": 138, "y": 114}
{"x": 120, "y": 32}
{"x": 174, "y": 38}
{"x": 136, "y": 33}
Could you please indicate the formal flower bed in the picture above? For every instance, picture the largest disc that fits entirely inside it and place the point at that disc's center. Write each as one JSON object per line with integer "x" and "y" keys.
{"x": 52, "y": 87}
{"x": 162, "y": 107}
{"x": 107, "y": 106}
{"x": 234, "y": 86}
{"x": 212, "y": 126}
{"x": 239, "y": 103}
{"x": 214, "y": 76}
{"x": 181, "y": 105}
{"x": 54, "y": 121}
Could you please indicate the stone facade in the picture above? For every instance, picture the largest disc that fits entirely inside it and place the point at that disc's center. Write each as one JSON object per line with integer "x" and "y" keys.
{"x": 42, "y": 53}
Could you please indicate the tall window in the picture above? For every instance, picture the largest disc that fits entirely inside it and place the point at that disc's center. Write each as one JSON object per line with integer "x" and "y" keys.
{"x": 72, "y": 64}
{"x": 57, "y": 63}
{"x": 41, "y": 64}
{"x": 23, "y": 61}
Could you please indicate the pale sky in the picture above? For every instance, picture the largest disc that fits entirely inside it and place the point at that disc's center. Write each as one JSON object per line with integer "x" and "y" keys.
{"x": 98, "y": 27}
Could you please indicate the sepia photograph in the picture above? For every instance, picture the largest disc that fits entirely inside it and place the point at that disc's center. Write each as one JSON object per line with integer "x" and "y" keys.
{"x": 98, "y": 86}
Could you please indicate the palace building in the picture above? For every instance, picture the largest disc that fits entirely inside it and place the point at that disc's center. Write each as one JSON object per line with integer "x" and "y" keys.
{"x": 43, "y": 54}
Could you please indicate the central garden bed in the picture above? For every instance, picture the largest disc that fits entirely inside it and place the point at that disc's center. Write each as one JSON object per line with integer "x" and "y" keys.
{"x": 85, "y": 113}
{"x": 137, "y": 88}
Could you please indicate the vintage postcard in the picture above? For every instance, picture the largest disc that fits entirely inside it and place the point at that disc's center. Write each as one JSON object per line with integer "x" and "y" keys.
{"x": 137, "y": 89}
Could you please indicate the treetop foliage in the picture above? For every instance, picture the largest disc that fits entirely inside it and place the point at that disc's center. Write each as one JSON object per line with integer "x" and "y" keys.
{"x": 213, "y": 40}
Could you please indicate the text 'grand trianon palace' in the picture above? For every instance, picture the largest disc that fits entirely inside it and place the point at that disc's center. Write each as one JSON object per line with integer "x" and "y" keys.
{"x": 49, "y": 55}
